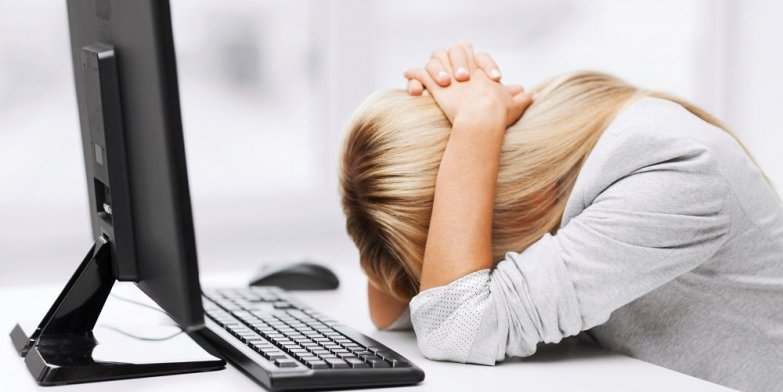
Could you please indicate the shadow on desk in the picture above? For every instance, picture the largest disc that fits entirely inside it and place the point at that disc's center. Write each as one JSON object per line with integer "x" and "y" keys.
{"x": 573, "y": 349}
{"x": 569, "y": 349}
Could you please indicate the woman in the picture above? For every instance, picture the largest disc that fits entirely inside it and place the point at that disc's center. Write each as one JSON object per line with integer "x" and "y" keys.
{"x": 605, "y": 207}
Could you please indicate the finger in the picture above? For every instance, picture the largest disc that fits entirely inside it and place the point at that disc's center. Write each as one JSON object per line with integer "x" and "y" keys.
{"x": 459, "y": 63}
{"x": 442, "y": 56}
{"x": 523, "y": 100}
{"x": 437, "y": 71}
{"x": 469, "y": 52}
{"x": 486, "y": 63}
{"x": 520, "y": 103}
{"x": 415, "y": 87}
{"x": 514, "y": 89}
{"x": 422, "y": 76}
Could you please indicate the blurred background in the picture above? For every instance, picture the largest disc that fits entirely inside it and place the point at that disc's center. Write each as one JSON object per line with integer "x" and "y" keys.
{"x": 267, "y": 87}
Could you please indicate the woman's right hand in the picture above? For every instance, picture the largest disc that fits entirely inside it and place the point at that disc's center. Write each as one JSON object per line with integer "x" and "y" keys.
{"x": 476, "y": 95}
{"x": 454, "y": 63}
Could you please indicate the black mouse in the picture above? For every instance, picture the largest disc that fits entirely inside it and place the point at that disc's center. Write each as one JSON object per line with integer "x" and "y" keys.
{"x": 302, "y": 275}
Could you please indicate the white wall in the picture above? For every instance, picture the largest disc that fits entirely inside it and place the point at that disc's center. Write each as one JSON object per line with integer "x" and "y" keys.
{"x": 753, "y": 104}
{"x": 267, "y": 87}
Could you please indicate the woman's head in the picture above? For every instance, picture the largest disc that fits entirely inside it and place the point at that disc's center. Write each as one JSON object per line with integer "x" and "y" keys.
{"x": 393, "y": 148}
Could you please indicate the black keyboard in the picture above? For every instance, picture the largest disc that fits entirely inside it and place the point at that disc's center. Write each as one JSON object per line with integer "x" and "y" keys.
{"x": 284, "y": 345}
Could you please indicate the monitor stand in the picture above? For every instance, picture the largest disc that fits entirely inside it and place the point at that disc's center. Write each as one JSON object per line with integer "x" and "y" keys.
{"x": 62, "y": 350}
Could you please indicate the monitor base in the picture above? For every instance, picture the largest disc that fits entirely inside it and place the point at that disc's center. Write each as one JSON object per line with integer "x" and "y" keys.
{"x": 65, "y": 361}
{"x": 64, "y": 349}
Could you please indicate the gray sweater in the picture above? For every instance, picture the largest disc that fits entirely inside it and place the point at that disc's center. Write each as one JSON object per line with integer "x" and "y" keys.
{"x": 670, "y": 250}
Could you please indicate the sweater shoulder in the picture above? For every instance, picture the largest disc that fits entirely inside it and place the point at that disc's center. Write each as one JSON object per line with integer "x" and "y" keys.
{"x": 649, "y": 133}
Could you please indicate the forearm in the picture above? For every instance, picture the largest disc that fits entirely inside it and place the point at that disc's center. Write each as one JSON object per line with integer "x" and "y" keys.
{"x": 384, "y": 309}
{"x": 459, "y": 240}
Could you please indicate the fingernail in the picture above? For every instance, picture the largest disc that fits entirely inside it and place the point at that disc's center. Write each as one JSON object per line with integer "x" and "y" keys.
{"x": 461, "y": 72}
{"x": 443, "y": 75}
{"x": 495, "y": 73}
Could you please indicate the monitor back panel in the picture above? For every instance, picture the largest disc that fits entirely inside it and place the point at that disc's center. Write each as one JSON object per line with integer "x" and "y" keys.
{"x": 165, "y": 251}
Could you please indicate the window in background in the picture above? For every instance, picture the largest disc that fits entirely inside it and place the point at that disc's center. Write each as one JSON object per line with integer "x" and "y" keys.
{"x": 249, "y": 76}
{"x": 253, "y": 97}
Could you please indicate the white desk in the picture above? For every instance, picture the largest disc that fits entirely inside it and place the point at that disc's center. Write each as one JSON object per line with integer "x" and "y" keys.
{"x": 567, "y": 367}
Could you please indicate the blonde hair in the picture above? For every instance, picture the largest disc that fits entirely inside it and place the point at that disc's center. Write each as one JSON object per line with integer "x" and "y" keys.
{"x": 394, "y": 145}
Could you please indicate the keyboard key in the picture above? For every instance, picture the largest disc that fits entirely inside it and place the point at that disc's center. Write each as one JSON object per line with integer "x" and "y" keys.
{"x": 266, "y": 346}
{"x": 376, "y": 362}
{"x": 274, "y": 357}
{"x": 273, "y": 354}
{"x": 285, "y": 363}
{"x": 356, "y": 363}
{"x": 243, "y": 315}
{"x": 318, "y": 365}
{"x": 300, "y": 356}
{"x": 336, "y": 363}
{"x": 400, "y": 363}
{"x": 385, "y": 355}
{"x": 296, "y": 313}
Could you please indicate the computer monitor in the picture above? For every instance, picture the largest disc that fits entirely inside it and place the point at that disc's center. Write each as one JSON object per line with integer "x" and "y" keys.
{"x": 126, "y": 87}
{"x": 153, "y": 243}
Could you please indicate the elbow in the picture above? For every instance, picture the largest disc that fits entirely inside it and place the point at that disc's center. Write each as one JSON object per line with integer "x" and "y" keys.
{"x": 450, "y": 341}
{"x": 379, "y": 321}
{"x": 452, "y": 351}
{"x": 445, "y": 351}
{"x": 447, "y": 319}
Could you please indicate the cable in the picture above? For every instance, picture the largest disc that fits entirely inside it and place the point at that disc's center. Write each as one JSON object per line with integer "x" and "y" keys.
{"x": 138, "y": 303}
{"x": 144, "y": 338}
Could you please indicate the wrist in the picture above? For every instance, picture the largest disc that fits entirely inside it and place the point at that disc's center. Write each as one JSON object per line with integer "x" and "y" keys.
{"x": 484, "y": 113}
{"x": 481, "y": 129}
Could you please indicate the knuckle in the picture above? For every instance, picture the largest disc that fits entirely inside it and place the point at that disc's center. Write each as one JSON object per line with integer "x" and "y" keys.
{"x": 455, "y": 52}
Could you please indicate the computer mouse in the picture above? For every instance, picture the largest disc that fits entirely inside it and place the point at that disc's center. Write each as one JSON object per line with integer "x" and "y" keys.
{"x": 303, "y": 275}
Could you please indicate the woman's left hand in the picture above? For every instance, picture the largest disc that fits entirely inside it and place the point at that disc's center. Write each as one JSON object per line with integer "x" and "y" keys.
{"x": 474, "y": 94}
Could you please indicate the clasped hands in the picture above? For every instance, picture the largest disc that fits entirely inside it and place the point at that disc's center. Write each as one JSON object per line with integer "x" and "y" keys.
{"x": 467, "y": 84}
